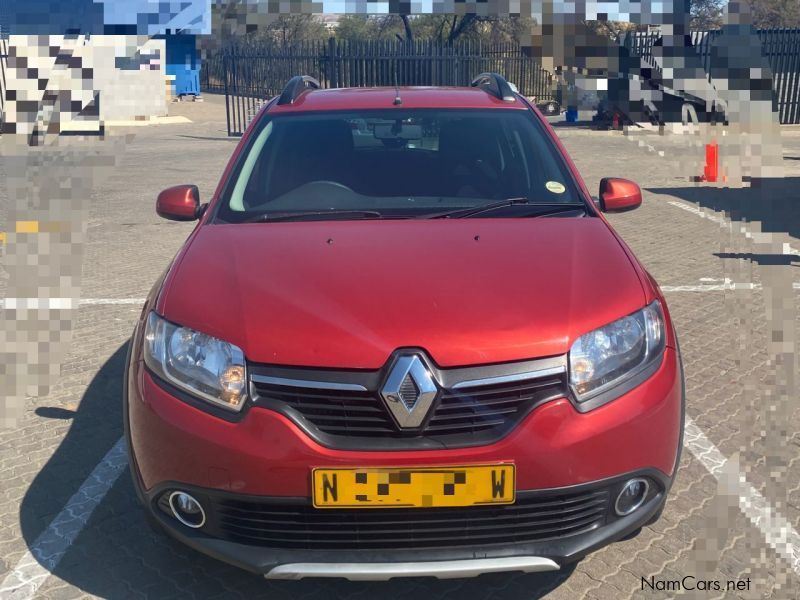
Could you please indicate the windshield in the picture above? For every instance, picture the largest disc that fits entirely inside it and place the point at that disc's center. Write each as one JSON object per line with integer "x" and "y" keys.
{"x": 397, "y": 164}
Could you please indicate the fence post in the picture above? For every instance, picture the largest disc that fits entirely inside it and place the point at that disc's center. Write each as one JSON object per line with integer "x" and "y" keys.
{"x": 3, "y": 61}
{"x": 225, "y": 83}
{"x": 334, "y": 67}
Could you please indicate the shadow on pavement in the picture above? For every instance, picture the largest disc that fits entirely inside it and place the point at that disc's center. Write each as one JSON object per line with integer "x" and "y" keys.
{"x": 774, "y": 202}
{"x": 206, "y": 137}
{"x": 54, "y": 412}
{"x": 117, "y": 555}
{"x": 762, "y": 259}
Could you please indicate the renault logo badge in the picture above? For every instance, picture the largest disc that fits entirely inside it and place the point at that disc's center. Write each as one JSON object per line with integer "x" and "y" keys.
{"x": 409, "y": 391}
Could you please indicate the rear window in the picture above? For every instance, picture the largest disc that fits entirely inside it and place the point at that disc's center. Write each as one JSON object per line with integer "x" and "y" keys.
{"x": 398, "y": 162}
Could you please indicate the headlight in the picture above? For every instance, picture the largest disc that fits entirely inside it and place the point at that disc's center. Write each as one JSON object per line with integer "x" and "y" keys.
{"x": 612, "y": 354}
{"x": 204, "y": 366}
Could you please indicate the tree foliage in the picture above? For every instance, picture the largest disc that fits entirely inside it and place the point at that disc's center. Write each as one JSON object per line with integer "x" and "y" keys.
{"x": 612, "y": 30}
{"x": 706, "y": 14}
{"x": 288, "y": 29}
{"x": 775, "y": 13}
{"x": 363, "y": 27}
{"x": 441, "y": 28}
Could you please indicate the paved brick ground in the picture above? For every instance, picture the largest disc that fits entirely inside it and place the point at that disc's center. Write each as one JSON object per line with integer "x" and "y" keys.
{"x": 726, "y": 337}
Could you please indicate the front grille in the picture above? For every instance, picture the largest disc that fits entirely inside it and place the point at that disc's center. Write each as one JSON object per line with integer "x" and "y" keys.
{"x": 530, "y": 519}
{"x": 491, "y": 410}
{"x": 488, "y": 407}
{"x": 332, "y": 411}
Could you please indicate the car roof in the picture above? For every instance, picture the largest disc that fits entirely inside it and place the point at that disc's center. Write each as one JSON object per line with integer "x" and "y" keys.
{"x": 384, "y": 97}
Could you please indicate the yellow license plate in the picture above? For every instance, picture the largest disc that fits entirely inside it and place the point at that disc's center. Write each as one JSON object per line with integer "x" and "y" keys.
{"x": 413, "y": 487}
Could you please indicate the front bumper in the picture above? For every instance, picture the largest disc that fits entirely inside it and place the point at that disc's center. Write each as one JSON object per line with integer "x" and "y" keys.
{"x": 377, "y": 563}
{"x": 266, "y": 454}
{"x": 267, "y": 458}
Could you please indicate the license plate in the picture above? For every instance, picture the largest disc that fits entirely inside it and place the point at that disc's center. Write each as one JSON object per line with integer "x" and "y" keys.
{"x": 413, "y": 487}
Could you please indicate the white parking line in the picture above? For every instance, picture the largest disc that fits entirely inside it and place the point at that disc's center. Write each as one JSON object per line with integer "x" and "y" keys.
{"x": 779, "y": 534}
{"x": 716, "y": 287}
{"x": 777, "y": 531}
{"x": 36, "y": 564}
{"x": 98, "y": 301}
{"x": 69, "y": 303}
{"x": 63, "y": 303}
{"x": 715, "y": 217}
{"x": 47, "y": 551}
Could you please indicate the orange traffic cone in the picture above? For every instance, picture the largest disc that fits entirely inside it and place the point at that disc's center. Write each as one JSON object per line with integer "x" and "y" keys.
{"x": 710, "y": 172}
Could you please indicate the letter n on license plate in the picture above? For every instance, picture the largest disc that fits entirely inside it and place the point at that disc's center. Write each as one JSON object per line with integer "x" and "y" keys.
{"x": 413, "y": 487}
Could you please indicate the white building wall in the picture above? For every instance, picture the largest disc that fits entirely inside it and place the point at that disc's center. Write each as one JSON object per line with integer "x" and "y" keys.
{"x": 57, "y": 83}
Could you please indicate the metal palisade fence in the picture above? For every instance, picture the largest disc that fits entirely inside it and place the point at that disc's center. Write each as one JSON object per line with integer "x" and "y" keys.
{"x": 3, "y": 85}
{"x": 781, "y": 47}
{"x": 251, "y": 73}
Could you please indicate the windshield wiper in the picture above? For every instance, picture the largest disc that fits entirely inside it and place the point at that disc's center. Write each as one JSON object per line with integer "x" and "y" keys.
{"x": 477, "y": 210}
{"x": 272, "y": 217}
{"x": 552, "y": 210}
{"x": 465, "y": 212}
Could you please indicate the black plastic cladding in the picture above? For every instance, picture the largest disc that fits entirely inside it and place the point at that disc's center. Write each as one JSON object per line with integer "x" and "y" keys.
{"x": 292, "y": 523}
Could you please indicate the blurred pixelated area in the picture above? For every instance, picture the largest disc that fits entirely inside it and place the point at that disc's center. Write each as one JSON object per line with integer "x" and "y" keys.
{"x": 703, "y": 116}
{"x": 65, "y": 80}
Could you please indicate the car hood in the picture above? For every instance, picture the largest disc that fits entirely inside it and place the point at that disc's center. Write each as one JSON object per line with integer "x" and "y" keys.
{"x": 347, "y": 294}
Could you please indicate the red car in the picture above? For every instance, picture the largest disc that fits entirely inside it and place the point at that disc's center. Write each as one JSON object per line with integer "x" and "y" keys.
{"x": 402, "y": 340}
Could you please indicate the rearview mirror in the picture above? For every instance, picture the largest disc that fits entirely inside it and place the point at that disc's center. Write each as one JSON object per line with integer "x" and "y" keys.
{"x": 179, "y": 203}
{"x": 404, "y": 131}
{"x": 619, "y": 195}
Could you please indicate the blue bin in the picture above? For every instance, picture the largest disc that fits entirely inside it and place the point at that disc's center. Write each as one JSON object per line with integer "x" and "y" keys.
{"x": 183, "y": 62}
{"x": 571, "y": 115}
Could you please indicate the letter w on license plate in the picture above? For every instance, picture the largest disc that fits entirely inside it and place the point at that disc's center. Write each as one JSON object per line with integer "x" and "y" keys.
{"x": 413, "y": 487}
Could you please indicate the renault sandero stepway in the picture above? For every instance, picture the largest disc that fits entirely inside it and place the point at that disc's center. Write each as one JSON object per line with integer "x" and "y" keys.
{"x": 402, "y": 340}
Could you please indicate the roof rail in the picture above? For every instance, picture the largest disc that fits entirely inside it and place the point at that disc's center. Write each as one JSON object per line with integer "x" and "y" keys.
{"x": 496, "y": 85}
{"x": 296, "y": 86}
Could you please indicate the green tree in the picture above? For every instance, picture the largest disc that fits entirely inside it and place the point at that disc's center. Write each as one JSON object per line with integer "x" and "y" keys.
{"x": 612, "y": 30}
{"x": 362, "y": 27}
{"x": 288, "y": 29}
{"x": 706, "y": 14}
{"x": 442, "y": 28}
{"x": 775, "y": 13}
{"x": 504, "y": 30}
{"x": 449, "y": 28}
{"x": 354, "y": 28}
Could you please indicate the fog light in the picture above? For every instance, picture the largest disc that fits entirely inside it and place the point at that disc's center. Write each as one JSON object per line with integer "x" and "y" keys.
{"x": 187, "y": 510}
{"x": 632, "y": 496}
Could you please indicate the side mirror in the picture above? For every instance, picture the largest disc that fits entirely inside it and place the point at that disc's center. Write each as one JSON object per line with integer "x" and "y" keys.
{"x": 179, "y": 203}
{"x": 619, "y": 195}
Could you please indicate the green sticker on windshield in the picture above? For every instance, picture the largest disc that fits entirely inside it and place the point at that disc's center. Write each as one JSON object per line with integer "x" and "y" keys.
{"x": 555, "y": 187}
